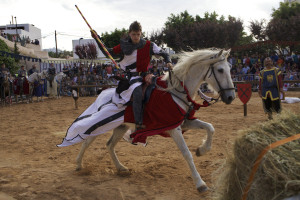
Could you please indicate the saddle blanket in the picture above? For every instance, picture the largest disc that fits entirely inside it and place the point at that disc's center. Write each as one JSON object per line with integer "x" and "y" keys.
{"x": 100, "y": 117}
{"x": 161, "y": 114}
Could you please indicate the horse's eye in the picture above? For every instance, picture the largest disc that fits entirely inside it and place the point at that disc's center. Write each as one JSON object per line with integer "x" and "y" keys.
{"x": 221, "y": 70}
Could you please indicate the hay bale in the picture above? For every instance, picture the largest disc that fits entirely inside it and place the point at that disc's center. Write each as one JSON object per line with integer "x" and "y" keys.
{"x": 278, "y": 175}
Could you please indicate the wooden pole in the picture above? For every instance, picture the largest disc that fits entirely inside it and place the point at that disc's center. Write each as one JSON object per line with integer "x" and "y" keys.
{"x": 98, "y": 39}
{"x": 55, "y": 44}
{"x": 245, "y": 109}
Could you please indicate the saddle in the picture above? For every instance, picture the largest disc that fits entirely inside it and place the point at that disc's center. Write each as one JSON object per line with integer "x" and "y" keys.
{"x": 147, "y": 88}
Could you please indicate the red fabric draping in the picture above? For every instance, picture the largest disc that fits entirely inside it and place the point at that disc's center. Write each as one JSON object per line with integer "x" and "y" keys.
{"x": 161, "y": 113}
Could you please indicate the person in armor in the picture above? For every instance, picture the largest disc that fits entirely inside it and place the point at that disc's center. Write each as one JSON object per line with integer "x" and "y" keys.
{"x": 3, "y": 70}
{"x": 22, "y": 72}
{"x": 136, "y": 54}
{"x": 270, "y": 87}
{"x": 51, "y": 74}
{"x": 32, "y": 70}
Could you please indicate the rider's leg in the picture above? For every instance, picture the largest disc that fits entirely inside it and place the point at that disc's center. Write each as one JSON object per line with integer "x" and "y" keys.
{"x": 137, "y": 106}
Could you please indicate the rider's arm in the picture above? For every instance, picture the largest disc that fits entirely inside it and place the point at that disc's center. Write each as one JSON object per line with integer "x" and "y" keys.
{"x": 156, "y": 50}
{"x": 112, "y": 51}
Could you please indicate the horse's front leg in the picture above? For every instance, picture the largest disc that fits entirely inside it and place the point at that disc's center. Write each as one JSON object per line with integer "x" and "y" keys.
{"x": 30, "y": 95}
{"x": 197, "y": 124}
{"x": 177, "y": 136}
{"x": 84, "y": 146}
{"x": 118, "y": 133}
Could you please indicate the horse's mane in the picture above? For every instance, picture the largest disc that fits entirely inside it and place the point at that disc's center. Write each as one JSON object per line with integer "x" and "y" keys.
{"x": 186, "y": 60}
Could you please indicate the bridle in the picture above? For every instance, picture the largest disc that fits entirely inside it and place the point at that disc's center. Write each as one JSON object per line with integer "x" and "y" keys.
{"x": 211, "y": 68}
{"x": 192, "y": 105}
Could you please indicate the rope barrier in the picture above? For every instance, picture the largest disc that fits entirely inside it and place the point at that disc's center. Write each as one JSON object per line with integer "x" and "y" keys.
{"x": 260, "y": 157}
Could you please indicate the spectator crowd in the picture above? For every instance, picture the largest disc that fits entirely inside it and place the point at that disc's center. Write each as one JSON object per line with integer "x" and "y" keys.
{"x": 247, "y": 68}
{"x": 99, "y": 75}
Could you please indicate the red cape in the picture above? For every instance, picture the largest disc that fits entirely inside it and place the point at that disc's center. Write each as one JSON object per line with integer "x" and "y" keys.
{"x": 17, "y": 87}
{"x": 161, "y": 113}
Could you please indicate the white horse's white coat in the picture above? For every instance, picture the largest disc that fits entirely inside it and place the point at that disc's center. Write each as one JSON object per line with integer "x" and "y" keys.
{"x": 193, "y": 69}
{"x": 35, "y": 77}
{"x": 52, "y": 91}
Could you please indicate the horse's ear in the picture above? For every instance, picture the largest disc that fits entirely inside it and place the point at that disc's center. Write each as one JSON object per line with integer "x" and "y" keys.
{"x": 228, "y": 52}
{"x": 220, "y": 53}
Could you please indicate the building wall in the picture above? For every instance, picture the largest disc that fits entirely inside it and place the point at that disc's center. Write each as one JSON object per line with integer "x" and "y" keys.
{"x": 26, "y": 30}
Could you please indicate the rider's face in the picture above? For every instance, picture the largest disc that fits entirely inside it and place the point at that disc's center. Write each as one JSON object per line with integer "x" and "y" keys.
{"x": 135, "y": 36}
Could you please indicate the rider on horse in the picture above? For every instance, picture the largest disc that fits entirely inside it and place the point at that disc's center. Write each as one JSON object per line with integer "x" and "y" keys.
{"x": 136, "y": 53}
{"x": 32, "y": 70}
{"x": 3, "y": 70}
{"x": 51, "y": 73}
{"x": 21, "y": 74}
{"x": 3, "y": 73}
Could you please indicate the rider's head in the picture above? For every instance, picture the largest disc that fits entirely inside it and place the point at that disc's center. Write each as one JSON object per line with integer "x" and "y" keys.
{"x": 3, "y": 65}
{"x": 22, "y": 67}
{"x": 135, "y": 32}
{"x": 34, "y": 66}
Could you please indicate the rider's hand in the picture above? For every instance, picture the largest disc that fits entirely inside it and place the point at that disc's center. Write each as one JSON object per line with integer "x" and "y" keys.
{"x": 94, "y": 34}
{"x": 169, "y": 65}
{"x": 148, "y": 78}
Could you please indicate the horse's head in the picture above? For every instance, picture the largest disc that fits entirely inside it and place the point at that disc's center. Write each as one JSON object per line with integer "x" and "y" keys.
{"x": 59, "y": 77}
{"x": 218, "y": 76}
{"x": 43, "y": 74}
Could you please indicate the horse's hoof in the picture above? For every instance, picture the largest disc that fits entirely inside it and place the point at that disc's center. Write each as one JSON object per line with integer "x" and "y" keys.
{"x": 202, "y": 151}
{"x": 78, "y": 168}
{"x": 124, "y": 172}
{"x": 199, "y": 152}
{"x": 202, "y": 188}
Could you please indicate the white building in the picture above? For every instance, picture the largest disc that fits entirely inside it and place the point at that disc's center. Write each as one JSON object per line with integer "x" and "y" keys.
{"x": 23, "y": 30}
{"x": 86, "y": 41}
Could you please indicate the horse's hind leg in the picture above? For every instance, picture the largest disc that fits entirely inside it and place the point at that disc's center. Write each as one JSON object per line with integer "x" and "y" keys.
{"x": 177, "y": 136}
{"x": 197, "y": 124}
{"x": 118, "y": 133}
{"x": 84, "y": 146}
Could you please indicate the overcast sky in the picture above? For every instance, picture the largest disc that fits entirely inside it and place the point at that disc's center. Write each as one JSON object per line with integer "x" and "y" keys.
{"x": 107, "y": 15}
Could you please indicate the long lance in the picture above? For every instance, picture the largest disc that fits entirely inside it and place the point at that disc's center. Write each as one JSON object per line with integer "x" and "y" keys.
{"x": 98, "y": 39}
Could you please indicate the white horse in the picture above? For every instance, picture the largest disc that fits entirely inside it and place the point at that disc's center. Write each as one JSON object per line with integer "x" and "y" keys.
{"x": 193, "y": 68}
{"x": 54, "y": 91}
{"x": 32, "y": 79}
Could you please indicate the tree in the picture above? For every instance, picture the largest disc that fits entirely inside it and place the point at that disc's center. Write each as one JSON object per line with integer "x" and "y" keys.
{"x": 185, "y": 32}
{"x": 284, "y": 26}
{"x": 286, "y": 10}
{"x": 113, "y": 38}
{"x": 258, "y": 29}
{"x": 10, "y": 63}
{"x": 88, "y": 51}
{"x": 61, "y": 54}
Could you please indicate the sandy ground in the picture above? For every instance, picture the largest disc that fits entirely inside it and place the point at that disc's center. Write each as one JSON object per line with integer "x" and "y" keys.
{"x": 32, "y": 167}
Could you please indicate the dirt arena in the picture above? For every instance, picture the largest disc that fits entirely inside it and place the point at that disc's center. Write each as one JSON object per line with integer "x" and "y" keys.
{"x": 32, "y": 167}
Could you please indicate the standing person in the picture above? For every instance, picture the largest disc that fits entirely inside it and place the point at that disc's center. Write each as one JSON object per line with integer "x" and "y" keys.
{"x": 137, "y": 54}
{"x": 51, "y": 73}
{"x": 270, "y": 87}
{"x": 32, "y": 70}
{"x": 90, "y": 80}
{"x": 66, "y": 70}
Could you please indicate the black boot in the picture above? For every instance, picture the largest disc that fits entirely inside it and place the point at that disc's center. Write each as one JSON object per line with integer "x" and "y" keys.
{"x": 137, "y": 106}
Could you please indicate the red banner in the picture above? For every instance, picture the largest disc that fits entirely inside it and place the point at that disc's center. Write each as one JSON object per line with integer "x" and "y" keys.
{"x": 244, "y": 92}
